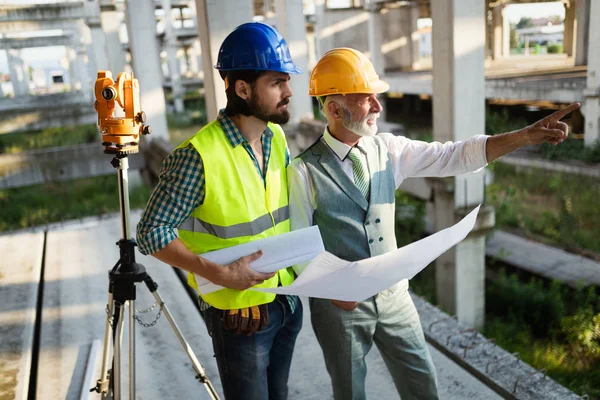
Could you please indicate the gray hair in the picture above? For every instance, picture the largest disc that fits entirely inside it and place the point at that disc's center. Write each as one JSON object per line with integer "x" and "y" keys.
{"x": 339, "y": 99}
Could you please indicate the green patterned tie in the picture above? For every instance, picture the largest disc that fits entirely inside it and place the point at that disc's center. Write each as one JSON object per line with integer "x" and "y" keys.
{"x": 361, "y": 175}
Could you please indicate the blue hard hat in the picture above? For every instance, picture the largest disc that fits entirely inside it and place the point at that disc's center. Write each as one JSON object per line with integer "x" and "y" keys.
{"x": 256, "y": 46}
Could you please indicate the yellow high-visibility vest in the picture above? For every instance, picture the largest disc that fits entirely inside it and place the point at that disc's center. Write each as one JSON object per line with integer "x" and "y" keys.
{"x": 237, "y": 208}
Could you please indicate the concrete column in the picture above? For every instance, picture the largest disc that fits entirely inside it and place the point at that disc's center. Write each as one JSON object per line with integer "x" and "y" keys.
{"x": 458, "y": 91}
{"x": 196, "y": 58}
{"x": 111, "y": 24}
{"x": 592, "y": 91}
{"x": 505, "y": 34}
{"x": 376, "y": 39}
{"x": 216, "y": 19}
{"x": 406, "y": 35}
{"x": 570, "y": 28}
{"x": 19, "y": 72}
{"x": 497, "y": 37}
{"x": 80, "y": 79}
{"x": 290, "y": 23}
{"x": 171, "y": 47}
{"x": 97, "y": 46}
{"x": 414, "y": 36}
{"x": 582, "y": 31}
{"x": 141, "y": 29}
{"x": 319, "y": 25}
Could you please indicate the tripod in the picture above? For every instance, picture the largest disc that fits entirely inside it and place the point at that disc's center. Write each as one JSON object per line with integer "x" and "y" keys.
{"x": 122, "y": 292}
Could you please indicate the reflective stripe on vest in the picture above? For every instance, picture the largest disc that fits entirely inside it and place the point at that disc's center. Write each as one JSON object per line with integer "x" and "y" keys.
{"x": 251, "y": 228}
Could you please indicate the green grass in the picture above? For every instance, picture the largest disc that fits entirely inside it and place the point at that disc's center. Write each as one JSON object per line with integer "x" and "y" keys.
{"x": 49, "y": 137}
{"x": 43, "y": 204}
{"x": 562, "y": 208}
{"x": 551, "y": 326}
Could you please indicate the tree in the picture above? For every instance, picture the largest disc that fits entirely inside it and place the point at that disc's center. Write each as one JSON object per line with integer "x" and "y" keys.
{"x": 514, "y": 39}
{"x": 524, "y": 22}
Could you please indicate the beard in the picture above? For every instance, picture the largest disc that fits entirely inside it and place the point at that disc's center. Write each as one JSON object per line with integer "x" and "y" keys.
{"x": 260, "y": 111}
{"x": 360, "y": 128}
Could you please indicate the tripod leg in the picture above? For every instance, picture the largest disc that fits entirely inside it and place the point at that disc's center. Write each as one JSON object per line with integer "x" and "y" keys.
{"x": 120, "y": 309}
{"x": 102, "y": 383}
{"x": 132, "y": 349}
{"x": 187, "y": 348}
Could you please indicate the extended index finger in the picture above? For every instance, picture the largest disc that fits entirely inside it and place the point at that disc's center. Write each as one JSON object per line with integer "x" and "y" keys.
{"x": 564, "y": 112}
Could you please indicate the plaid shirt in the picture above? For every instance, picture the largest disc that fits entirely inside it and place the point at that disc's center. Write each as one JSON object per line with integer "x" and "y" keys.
{"x": 181, "y": 189}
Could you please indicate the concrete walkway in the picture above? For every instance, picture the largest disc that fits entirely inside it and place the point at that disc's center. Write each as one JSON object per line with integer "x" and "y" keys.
{"x": 77, "y": 258}
{"x": 543, "y": 260}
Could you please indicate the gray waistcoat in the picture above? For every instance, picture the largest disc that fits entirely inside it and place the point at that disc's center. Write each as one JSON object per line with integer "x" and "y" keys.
{"x": 351, "y": 227}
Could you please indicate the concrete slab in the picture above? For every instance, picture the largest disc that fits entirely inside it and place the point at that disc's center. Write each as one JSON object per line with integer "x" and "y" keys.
{"x": 543, "y": 260}
{"x": 77, "y": 261}
{"x": 20, "y": 271}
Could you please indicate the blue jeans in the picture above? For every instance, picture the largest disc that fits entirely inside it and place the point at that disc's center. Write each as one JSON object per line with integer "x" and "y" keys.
{"x": 389, "y": 320}
{"x": 256, "y": 367}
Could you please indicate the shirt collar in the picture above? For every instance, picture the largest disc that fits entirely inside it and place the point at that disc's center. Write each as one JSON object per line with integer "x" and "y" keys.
{"x": 340, "y": 149}
{"x": 232, "y": 132}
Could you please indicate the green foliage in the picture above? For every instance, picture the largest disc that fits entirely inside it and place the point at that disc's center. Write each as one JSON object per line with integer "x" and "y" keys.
{"x": 501, "y": 122}
{"x": 557, "y": 206}
{"x": 410, "y": 218}
{"x": 49, "y": 137}
{"x": 527, "y": 303}
{"x": 554, "y": 49}
{"x": 555, "y": 328}
{"x": 571, "y": 149}
{"x": 43, "y": 204}
{"x": 524, "y": 22}
{"x": 410, "y": 227}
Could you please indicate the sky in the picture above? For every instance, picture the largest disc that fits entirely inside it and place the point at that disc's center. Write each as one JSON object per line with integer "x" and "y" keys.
{"x": 50, "y": 56}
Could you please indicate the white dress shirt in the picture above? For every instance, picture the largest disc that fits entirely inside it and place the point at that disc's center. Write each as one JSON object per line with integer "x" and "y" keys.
{"x": 409, "y": 158}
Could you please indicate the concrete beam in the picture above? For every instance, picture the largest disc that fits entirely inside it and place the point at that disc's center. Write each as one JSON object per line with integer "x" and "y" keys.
{"x": 39, "y": 112}
{"x": 32, "y": 26}
{"x": 592, "y": 91}
{"x": 290, "y": 23}
{"x": 42, "y": 12}
{"x": 216, "y": 19}
{"x": 59, "y": 164}
{"x": 141, "y": 29}
{"x": 18, "y": 43}
{"x": 556, "y": 89}
{"x": 459, "y": 90}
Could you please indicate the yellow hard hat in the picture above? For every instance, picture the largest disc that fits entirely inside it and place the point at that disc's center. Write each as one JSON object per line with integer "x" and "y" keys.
{"x": 345, "y": 71}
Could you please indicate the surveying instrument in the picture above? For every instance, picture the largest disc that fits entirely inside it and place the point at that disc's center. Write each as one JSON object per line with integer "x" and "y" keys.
{"x": 120, "y": 137}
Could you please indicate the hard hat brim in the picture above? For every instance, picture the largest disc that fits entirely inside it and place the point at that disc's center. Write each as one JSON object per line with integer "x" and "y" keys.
{"x": 377, "y": 86}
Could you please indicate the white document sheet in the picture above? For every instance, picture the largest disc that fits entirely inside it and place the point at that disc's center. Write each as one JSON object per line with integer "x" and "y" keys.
{"x": 279, "y": 252}
{"x": 329, "y": 277}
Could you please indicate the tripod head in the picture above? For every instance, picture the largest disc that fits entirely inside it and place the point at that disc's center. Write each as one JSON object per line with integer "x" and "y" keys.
{"x": 120, "y": 135}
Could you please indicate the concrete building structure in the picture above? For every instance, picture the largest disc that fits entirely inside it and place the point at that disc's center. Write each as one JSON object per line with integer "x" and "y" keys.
{"x": 386, "y": 31}
{"x": 471, "y": 63}
{"x": 468, "y": 66}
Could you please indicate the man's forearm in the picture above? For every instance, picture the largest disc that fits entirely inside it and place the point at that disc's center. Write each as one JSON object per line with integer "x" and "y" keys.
{"x": 177, "y": 255}
{"x": 499, "y": 145}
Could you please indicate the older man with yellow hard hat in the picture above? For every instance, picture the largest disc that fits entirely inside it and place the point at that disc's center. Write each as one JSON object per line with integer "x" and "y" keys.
{"x": 345, "y": 183}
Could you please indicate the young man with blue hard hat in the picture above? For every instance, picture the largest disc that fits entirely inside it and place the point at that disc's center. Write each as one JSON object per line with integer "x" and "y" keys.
{"x": 224, "y": 186}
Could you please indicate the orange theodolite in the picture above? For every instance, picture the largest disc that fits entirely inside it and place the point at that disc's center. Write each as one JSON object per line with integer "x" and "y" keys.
{"x": 120, "y": 135}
